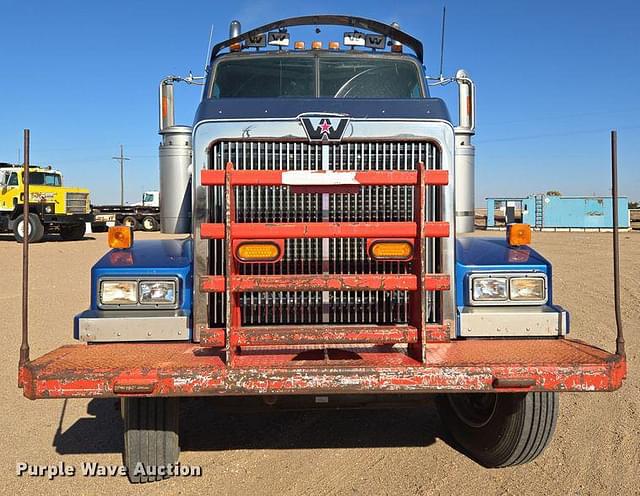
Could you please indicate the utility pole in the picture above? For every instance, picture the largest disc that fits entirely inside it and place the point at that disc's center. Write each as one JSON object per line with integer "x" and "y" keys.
{"x": 121, "y": 159}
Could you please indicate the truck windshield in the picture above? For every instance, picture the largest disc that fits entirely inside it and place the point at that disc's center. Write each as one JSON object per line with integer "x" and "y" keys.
{"x": 338, "y": 77}
{"x": 45, "y": 179}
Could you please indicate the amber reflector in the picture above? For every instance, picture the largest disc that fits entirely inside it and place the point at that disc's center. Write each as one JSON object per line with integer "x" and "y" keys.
{"x": 391, "y": 250}
{"x": 518, "y": 234}
{"x": 258, "y": 252}
{"x": 120, "y": 237}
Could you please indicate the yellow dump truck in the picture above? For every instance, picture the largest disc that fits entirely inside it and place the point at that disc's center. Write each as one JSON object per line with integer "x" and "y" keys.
{"x": 53, "y": 208}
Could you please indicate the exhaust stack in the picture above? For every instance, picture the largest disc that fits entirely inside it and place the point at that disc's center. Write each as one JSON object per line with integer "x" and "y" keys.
{"x": 465, "y": 154}
{"x": 175, "y": 166}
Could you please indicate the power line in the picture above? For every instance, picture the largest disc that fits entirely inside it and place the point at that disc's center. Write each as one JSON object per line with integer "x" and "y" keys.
{"x": 121, "y": 159}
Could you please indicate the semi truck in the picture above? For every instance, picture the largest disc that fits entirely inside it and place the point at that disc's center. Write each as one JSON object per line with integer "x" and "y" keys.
{"x": 326, "y": 200}
{"x": 54, "y": 208}
{"x": 144, "y": 215}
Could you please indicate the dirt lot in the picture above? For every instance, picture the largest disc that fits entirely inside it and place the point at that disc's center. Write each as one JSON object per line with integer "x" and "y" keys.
{"x": 596, "y": 448}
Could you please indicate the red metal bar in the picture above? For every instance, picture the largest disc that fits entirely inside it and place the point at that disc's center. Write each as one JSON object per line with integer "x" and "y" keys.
{"x": 320, "y": 282}
{"x": 233, "y": 316}
{"x": 322, "y": 178}
{"x": 324, "y": 230}
{"x": 417, "y": 303}
{"x": 185, "y": 369}
{"x": 303, "y": 335}
{"x": 436, "y": 282}
{"x": 437, "y": 333}
{"x": 212, "y": 231}
{"x": 436, "y": 230}
{"x": 212, "y": 284}
{"x": 333, "y": 282}
{"x": 212, "y": 337}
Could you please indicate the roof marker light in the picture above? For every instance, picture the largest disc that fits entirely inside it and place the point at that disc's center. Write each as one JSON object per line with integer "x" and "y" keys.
{"x": 316, "y": 45}
{"x": 299, "y": 45}
{"x": 334, "y": 45}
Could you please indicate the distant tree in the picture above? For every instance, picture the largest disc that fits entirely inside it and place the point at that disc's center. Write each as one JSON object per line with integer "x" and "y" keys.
{"x": 634, "y": 204}
{"x": 554, "y": 193}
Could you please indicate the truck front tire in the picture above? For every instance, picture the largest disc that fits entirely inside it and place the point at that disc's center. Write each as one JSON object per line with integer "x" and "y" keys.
{"x": 130, "y": 221}
{"x": 73, "y": 232}
{"x": 150, "y": 437}
{"x": 35, "y": 229}
{"x": 500, "y": 430}
{"x": 149, "y": 223}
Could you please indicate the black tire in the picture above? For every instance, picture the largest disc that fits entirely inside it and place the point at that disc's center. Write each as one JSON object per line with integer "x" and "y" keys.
{"x": 130, "y": 221}
{"x": 150, "y": 437}
{"x": 73, "y": 232}
{"x": 500, "y": 430}
{"x": 35, "y": 229}
{"x": 149, "y": 223}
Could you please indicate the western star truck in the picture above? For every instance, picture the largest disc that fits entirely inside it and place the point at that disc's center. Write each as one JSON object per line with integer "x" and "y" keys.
{"x": 326, "y": 198}
{"x": 54, "y": 208}
{"x": 144, "y": 215}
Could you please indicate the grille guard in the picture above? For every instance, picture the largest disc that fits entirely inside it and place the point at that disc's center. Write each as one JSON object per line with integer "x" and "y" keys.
{"x": 233, "y": 283}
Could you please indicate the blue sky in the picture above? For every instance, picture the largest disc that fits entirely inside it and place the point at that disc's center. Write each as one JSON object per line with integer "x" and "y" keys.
{"x": 553, "y": 78}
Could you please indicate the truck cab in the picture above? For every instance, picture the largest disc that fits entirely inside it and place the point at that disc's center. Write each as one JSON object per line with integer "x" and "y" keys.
{"x": 326, "y": 201}
{"x": 53, "y": 207}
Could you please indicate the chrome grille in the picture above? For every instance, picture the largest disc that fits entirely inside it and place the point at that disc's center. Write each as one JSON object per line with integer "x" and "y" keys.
{"x": 317, "y": 256}
{"x": 76, "y": 203}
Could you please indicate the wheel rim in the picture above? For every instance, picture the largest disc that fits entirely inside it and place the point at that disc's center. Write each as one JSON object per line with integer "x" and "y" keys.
{"x": 148, "y": 224}
{"x": 128, "y": 223}
{"x": 21, "y": 228}
{"x": 475, "y": 409}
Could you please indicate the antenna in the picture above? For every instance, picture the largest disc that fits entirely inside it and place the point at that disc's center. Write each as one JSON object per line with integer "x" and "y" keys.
{"x": 206, "y": 57}
{"x": 444, "y": 16}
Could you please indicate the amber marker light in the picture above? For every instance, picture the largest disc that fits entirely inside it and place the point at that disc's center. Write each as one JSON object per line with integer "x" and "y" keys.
{"x": 259, "y": 251}
{"x": 400, "y": 250}
{"x": 316, "y": 45}
{"x": 334, "y": 45}
{"x": 518, "y": 234}
{"x": 299, "y": 45}
{"x": 120, "y": 237}
{"x": 235, "y": 47}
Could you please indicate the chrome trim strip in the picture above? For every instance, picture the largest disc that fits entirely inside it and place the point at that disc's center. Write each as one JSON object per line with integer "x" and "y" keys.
{"x": 100, "y": 329}
{"x": 506, "y": 322}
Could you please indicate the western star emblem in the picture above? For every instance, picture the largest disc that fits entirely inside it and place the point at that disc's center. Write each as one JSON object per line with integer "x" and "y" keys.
{"x": 324, "y": 128}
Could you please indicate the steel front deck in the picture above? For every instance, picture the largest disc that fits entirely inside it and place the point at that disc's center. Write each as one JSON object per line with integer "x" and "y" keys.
{"x": 184, "y": 369}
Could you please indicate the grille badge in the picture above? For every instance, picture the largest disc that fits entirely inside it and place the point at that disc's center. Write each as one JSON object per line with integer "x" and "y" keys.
{"x": 324, "y": 127}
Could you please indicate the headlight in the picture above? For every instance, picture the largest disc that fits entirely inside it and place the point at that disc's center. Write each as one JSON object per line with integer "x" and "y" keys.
{"x": 157, "y": 292}
{"x": 490, "y": 289}
{"x": 119, "y": 292}
{"x": 527, "y": 289}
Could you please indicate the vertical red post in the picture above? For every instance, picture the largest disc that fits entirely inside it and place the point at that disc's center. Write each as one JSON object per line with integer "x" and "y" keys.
{"x": 416, "y": 298}
{"x": 232, "y": 314}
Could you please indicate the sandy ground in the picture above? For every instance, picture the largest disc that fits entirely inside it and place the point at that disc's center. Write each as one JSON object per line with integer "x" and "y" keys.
{"x": 595, "y": 450}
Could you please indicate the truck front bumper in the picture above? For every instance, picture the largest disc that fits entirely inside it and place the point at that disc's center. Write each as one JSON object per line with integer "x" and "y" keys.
{"x": 187, "y": 369}
{"x": 67, "y": 219}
